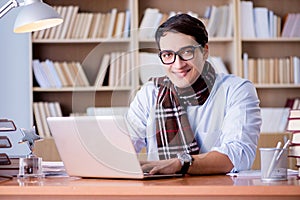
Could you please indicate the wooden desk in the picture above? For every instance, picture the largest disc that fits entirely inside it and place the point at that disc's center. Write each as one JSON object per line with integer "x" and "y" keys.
{"x": 198, "y": 187}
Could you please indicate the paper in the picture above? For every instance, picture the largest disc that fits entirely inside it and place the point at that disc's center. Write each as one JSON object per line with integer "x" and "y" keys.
{"x": 257, "y": 173}
{"x": 54, "y": 169}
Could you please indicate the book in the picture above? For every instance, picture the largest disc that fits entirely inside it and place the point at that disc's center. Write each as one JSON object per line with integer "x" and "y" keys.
{"x": 53, "y": 72}
{"x": 48, "y": 75}
{"x": 128, "y": 69}
{"x": 261, "y": 22}
{"x": 38, "y": 120}
{"x": 271, "y": 23}
{"x": 294, "y": 127}
{"x": 294, "y": 150}
{"x": 288, "y": 24}
{"x": 66, "y": 22}
{"x": 247, "y": 19}
{"x": 295, "y": 138}
{"x": 60, "y": 73}
{"x": 229, "y": 28}
{"x": 120, "y": 21}
{"x": 112, "y": 22}
{"x": 117, "y": 74}
{"x": 101, "y": 26}
{"x": 252, "y": 70}
{"x": 95, "y": 25}
{"x": 223, "y": 25}
{"x": 123, "y": 68}
{"x": 58, "y": 29}
{"x": 47, "y": 114}
{"x": 77, "y": 25}
{"x": 293, "y": 121}
{"x": 295, "y": 32}
{"x": 52, "y": 109}
{"x": 77, "y": 80}
{"x": 102, "y": 70}
{"x": 42, "y": 110}
{"x": 87, "y": 25}
{"x": 112, "y": 69}
{"x": 67, "y": 73}
{"x": 214, "y": 21}
{"x": 43, "y": 114}
{"x": 245, "y": 65}
{"x": 82, "y": 74}
{"x": 106, "y": 25}
{"x": 53, "y": 29}
{"x": 58, "y": 109}
{"x": 147, "y": 23}
{"x": 70, "y": 29}
{"x": 39, "y": 74}
{"x": 126, "y": 31}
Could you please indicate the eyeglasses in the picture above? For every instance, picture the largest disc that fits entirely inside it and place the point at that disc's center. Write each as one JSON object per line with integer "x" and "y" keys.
{"x": 185, "y": 53}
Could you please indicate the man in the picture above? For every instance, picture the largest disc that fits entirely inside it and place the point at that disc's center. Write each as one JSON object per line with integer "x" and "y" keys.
{"x": 193, "y": 120}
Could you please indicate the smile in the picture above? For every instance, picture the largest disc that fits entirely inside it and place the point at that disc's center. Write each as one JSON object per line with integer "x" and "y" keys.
{"x": 182, "y": 73}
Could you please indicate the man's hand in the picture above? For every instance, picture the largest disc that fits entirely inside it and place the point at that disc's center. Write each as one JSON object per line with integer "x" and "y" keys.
{"x": 170, "y": 166}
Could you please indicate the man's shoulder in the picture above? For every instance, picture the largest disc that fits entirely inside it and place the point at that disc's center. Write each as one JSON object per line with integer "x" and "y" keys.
{"x": 231, "y": 80}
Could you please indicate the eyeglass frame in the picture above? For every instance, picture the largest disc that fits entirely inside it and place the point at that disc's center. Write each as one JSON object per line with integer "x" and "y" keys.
{"x": 177, "y": 53}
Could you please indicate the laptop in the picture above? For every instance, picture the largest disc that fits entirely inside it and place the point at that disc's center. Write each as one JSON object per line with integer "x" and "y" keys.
{"x": 97, "y": 147}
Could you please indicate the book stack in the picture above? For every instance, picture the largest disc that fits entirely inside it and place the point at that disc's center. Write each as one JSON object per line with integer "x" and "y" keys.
{"x": 86, "y": 25}
{"x": 49, "y": 74}
{"x": 294, "y": 127}
{"x": 116, "y": 66}
{"x": 217, "y": 19}
{"x": 258, "y": 22}
{"x": 41, "y": 111}
{"x": 272, "y": 70}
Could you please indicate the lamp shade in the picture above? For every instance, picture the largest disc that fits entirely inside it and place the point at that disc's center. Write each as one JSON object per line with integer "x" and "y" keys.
{"x": 36, "y": 15}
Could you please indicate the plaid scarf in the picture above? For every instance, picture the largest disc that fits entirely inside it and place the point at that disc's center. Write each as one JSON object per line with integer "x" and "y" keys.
{"x": 173, "y": 131}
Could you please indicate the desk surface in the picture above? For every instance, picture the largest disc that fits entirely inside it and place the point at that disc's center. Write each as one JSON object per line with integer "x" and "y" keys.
{"x": 193, "y": 187}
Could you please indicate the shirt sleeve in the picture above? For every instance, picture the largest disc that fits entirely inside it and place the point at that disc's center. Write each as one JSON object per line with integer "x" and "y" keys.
{"x": 139, "y": 113}
{"x": 241, "y": 126}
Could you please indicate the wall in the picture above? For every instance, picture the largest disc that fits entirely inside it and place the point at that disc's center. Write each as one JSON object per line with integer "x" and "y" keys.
{"x": 15, "y": 72}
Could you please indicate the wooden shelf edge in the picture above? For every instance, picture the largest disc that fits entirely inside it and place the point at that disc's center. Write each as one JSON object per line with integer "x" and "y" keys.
{"x": 277, "y": 39}
{"x": 81, "y": 89}
{"x": 89, "y": 40}
{"x": 275, "y": 86}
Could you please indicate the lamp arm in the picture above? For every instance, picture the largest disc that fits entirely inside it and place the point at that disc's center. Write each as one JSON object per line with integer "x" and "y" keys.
{"x": 7, "y": 7}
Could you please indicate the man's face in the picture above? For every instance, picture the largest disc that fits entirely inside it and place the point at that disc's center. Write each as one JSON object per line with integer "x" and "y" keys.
{"x": 183, "y": 73}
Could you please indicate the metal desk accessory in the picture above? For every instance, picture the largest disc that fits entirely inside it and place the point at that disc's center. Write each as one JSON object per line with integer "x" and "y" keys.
{"x": 16, "y": 150}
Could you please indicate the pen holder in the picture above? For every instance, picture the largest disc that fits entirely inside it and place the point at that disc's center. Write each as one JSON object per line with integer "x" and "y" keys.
{"x": 273, "y": 164}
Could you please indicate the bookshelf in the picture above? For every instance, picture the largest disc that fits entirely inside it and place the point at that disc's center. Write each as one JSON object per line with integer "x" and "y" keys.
{"x": 89, "y": 51}
{"x": 272, "y": 94}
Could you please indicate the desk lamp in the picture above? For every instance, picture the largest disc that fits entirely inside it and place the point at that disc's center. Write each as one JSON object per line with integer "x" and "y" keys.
{"x": 35, "y": 15}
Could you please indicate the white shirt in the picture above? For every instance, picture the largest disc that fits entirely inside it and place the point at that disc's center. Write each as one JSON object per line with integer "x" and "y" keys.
{"x": 228, "y": 122}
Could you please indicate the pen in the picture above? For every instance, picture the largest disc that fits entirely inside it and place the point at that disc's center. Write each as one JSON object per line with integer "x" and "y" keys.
{"x": 272, "y": 164}
{"x": 284, "y": 147}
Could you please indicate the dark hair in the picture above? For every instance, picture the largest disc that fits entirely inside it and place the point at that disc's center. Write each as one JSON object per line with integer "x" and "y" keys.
{"x": 186, "y": 24}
